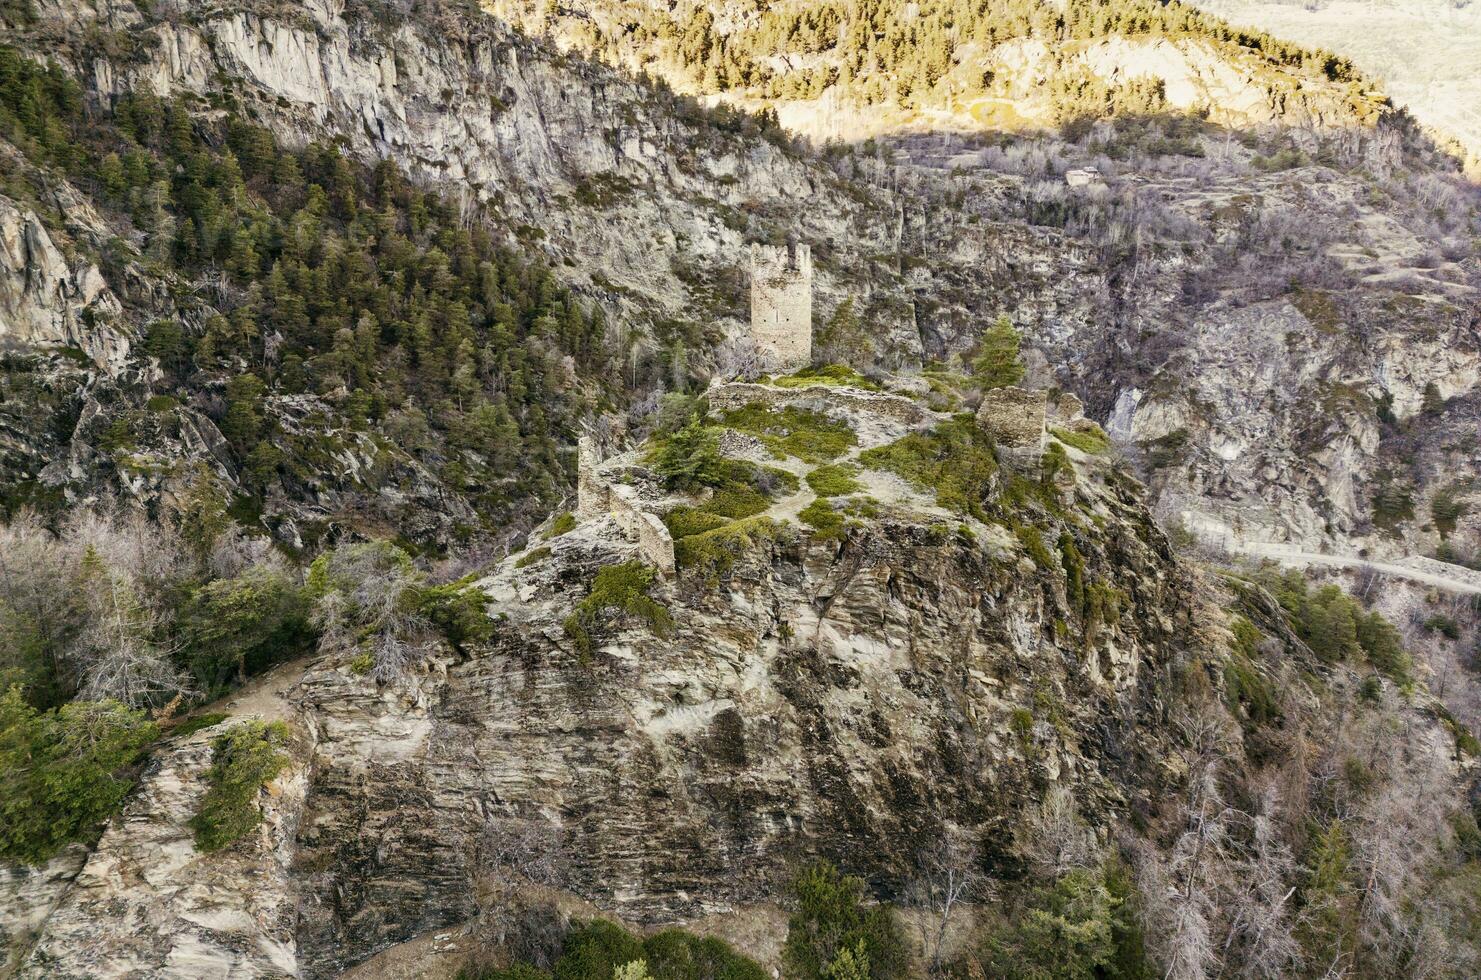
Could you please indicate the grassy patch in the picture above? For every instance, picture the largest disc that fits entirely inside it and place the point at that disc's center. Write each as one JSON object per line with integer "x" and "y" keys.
{"x": 828, "y": 374}
{"x": 823, "y": 519}
{"x": 954, "y": 461}
{"x": 714, "y": 551}
{"x": 834, "y": 480}
{"x": 1090, "y": 441}
{"x": 245, "y": 758}
{"x": 832, "y": 519}
{"x": 791, "y": 431}
{"x": 617, "y": 591}
{"x": 530, "y": 557}
{"x": 1033, "y": 543}
{"x": 563, "y": 524}
{"x": 189, "y": 726}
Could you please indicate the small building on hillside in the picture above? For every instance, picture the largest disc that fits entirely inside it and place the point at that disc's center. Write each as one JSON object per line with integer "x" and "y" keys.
{"x": 1084, "y": 177}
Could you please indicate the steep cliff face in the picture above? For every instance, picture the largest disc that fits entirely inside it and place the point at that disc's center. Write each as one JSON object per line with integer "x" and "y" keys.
{"x": 45, "y": 301}
{"x": 920, "y": 675}
{"x": 861, "y": 690}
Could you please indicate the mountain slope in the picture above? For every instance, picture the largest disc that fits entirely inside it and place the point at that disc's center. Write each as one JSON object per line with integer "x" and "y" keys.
{"x": 849, "y": 69}
{"x": 645, "y": 202}
{"x": 1013, "y": 670}
{"x": 1425, "y": 52}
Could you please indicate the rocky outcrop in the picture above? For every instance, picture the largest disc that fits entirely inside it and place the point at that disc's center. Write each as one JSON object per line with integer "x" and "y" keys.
{"x": 848, "y": 698}
{"x": 148, "y": 903}
{"x": 45, "y": 300}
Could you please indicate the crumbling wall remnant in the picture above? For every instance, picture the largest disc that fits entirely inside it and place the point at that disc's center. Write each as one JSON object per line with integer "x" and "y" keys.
{"x": 1014, "y": 418}
{"x": 598, "y": 497}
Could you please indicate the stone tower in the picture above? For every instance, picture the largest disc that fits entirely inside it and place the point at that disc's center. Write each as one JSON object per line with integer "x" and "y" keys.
{"x": 781, "y": 303}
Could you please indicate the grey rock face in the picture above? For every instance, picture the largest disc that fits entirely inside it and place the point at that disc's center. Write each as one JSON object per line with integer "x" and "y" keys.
{"x": 47, "y": 301}
{"x": 147, "y": 903}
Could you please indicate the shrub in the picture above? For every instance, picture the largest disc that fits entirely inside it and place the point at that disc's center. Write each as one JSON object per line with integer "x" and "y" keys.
{"x": 675, "y": 411}
{"x": 236, "y": 627}
{"x": 997, "y": 364}
{"x": 1393, "y": 503}
{"x": 1075, "y": 929}
{"x": 602, "y": 950}
{"x": 456, "y": 610}
{"x": 617, "y": 590}
{"x": 244, "y": 759}
{"x": 1446, "y": 507}
{"x": 690, "y": 458}
{"x": 1336, "y": 627}
{"x": 1444, "y": 625}
{"x": 61, "y": 771}
{"x": 1074, "y": 573}
{"x": 834, "y": 480}
{"x": 1244, "y": 685}
{"x": 832, "y": 921}
{"x": 954, "y": 460}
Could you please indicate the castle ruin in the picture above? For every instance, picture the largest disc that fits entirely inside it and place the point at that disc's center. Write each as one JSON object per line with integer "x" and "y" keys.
{"x": 1014, "y": 418}
{"x": 598, "y": 497}
{"x": 781, "y": 303}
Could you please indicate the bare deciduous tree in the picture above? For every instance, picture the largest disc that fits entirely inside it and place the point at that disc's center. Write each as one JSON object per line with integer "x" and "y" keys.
{"x": 947, "y": 875}
{"x": 510, "y": 854}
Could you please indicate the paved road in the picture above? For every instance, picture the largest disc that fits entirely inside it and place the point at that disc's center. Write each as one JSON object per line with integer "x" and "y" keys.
{"x": 1438, "y": 574}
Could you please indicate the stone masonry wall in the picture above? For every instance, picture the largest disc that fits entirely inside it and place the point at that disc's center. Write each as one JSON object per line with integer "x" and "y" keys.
{"x": 592, "y": 493}
{"x": 655, "y": 544}
{"x": 596, "y": 498}
{"x": 726, "y": 397}
{"x": 1014, "y": 417}
{"x": 781, "y": 303}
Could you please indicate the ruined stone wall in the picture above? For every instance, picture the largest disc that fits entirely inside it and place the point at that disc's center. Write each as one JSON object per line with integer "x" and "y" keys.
{"x": 592, "y": 493}
{"x": 655, "y": 544}
{"x": 781, "y": 303}
{"x": 1014, "y": 417}
{"x": 596, "y": 497}
{"x": 726, "y": 397}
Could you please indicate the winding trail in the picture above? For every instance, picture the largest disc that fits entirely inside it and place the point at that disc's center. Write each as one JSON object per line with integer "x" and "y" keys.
{"x": 1427, "y": 571}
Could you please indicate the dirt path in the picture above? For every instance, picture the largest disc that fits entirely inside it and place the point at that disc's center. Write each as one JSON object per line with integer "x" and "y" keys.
{"x": 265, "y": 696}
